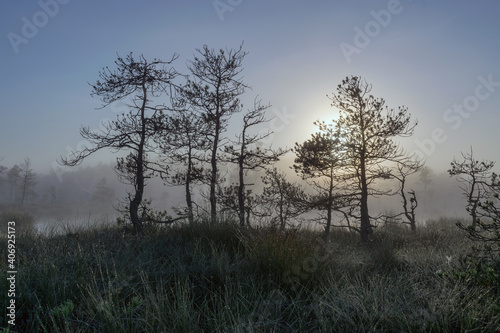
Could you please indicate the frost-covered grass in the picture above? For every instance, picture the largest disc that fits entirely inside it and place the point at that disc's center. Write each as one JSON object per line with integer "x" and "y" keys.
{"x": 217, "y": 278}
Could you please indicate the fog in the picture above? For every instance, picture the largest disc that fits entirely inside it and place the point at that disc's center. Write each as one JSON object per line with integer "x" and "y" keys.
{"x": 90, "y": 195}
{"x": 438, "y": 58}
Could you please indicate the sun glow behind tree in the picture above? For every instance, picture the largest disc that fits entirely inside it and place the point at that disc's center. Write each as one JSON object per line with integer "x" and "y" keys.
{"x": 355, "y": 151}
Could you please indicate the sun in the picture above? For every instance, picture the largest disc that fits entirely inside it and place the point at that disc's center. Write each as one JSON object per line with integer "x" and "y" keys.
{"x": 304, "y": 123}
{"x": 325, "y": 113}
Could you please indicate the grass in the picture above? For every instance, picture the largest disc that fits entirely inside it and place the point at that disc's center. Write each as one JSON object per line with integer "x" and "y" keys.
{"x": 216, "y": 278}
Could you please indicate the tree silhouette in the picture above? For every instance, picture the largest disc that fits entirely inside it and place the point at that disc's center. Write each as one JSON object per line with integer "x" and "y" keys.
{"x": 248, "y": 155}
{"x": 142, "y": 81}
{"x": 13, "y": 178}
{"x": 486, "y": 231}
{"x": 183, "y": 145}
{"x": 366, "y": 129}
{"x": 488, "y": 222}
{"x": 409, "y": 204}
{"x": 213, "y": 91}
{"x": 102, "y": 192}
{"x": 318, "y": 160}
{"x": 281, "y": 200}
{"x": 27, "y": 179}
{"x": 474, "y": 177}
{"x": 3, "y": 169}
{"x": 425, "y": 178}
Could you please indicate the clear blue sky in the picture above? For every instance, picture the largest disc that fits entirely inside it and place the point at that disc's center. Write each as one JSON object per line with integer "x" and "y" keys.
{"x": 438, "y": 58}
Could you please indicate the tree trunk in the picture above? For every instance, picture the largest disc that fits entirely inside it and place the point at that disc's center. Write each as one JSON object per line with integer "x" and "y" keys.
{"x": 139, "y": 186}
{"x": 134, "y": 214}
{"x": 330, "y": 205}
{"x": 413, "y": 225}
{"x": 189, "y": 201}
{"x": 410, "y": 215}
{"x": 241, "y": 190}
{"x": 189, "y": 204}
{"x": 213, "y": 181}
{"x": 413, "y": 220}
{"x": 472, "y": 200}
{"x": 282, "y": 211}
{"x": 328, "y": 218}
{"x": 241, "y": 187}
{"x": 23, "y": 192}
{"x": 474, "y": 215}
{"x": 139, "y": 190}
{"x": 366, "y": 228}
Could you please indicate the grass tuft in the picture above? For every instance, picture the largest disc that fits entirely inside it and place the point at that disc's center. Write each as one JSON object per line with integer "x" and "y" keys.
{"x": 205, "y": 277}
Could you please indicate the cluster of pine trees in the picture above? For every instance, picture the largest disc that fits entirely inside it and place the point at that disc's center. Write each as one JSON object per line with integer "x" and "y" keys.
{"x": 17, "y": 183}
{"x": 176, "y": 128}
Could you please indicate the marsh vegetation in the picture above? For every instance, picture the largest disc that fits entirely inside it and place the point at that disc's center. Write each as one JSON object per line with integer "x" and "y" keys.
{"x": 218, "y": 277}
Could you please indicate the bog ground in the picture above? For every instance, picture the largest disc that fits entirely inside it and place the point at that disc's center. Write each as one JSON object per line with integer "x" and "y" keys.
{"x": 206, "y": 277}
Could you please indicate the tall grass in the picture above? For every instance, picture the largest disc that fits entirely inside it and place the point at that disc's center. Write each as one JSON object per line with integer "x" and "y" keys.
{"x": 24, "y": 220}
{"x": 217, "y": 278}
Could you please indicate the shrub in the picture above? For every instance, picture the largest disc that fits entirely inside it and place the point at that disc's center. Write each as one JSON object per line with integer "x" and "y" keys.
{"x": 482, "y": 265}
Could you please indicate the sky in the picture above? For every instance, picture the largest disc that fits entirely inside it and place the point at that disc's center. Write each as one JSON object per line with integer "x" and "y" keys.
{"x": 438, "y": 58}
